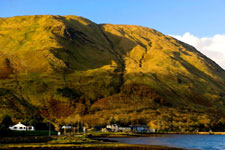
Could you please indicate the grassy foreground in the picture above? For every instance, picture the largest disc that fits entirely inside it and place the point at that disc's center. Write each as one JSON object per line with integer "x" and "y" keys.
{"x": 79, "y": 142}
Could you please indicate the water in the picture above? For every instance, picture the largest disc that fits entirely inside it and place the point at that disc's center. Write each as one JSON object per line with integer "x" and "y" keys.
{"x": 202, "y": 142}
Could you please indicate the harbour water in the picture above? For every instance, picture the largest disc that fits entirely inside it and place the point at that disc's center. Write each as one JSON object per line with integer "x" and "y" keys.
{"x": 202, "y": 142}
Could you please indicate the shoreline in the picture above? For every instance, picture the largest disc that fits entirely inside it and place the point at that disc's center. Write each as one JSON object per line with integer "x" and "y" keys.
{"x": 93, "y": 141}
{"x": 151, "y": 134}
{"x": 109, "y": 146}
{"x": 96, "y": 144}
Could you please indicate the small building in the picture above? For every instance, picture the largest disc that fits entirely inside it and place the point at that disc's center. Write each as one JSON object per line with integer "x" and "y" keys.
{"x": 124, "y": 129}
{"x": 140, "y": 128}
{"x": 113, "y": 127}
{"x": 21, "y": 127}
{"x": 152, "y": 130}
{"x": 66, "y": 127}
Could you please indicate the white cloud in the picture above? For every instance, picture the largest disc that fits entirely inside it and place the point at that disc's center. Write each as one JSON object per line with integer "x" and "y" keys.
{"x": 213, "y": 47}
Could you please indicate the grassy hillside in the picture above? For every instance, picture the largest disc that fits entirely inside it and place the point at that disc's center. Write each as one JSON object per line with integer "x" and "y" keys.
{"x": 68, "y": 69}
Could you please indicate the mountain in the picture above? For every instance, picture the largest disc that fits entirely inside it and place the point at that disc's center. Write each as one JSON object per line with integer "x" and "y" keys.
{"x": 68, "y": 69}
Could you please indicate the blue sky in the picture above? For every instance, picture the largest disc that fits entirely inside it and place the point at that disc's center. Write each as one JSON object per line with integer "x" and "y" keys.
{"x": 175, "y": 17}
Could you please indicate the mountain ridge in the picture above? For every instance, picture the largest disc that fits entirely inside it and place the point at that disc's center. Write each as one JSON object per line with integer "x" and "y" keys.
{"x": 64, "y": 66}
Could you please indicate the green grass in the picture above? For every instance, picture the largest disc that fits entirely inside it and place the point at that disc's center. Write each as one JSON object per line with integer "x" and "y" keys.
{"x": 74, "y": 139}
{"x": 32, "y": 133}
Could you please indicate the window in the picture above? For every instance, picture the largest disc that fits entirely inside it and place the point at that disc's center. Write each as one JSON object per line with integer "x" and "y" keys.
{"x": 21, "y": 127}
{"x": 15, "y": 127}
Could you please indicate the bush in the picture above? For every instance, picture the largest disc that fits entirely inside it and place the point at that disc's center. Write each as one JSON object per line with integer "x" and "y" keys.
{"x": 7, "y": 121}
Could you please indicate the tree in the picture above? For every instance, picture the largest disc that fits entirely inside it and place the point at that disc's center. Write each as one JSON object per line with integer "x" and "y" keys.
{"x": 153, "y": 124}
{"x": 7, "y": 121}
{"x": 112, "y": 120}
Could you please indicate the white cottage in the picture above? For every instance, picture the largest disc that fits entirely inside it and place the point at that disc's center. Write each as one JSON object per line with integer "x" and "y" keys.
{"x": 21, "y": 127}
{"x": 113, "y": 127}
{"x": 66, "y": 127}
{"x": 124, "y": 129}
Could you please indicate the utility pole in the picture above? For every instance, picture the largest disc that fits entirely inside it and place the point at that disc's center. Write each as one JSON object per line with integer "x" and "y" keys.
{"x": 49, "y": 131}
{"x": 78, "y": 127}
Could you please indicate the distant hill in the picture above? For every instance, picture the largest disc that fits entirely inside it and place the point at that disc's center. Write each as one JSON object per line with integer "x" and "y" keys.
{"x": 68, "y": 69}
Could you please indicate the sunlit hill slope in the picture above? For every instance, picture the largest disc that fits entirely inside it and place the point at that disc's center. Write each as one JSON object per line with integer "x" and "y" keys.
{"x": 68, "y": 68}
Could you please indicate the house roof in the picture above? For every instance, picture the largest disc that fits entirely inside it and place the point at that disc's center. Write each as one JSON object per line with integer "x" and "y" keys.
{"x": 66, "y": 127}
{"x": 19, "y": 125}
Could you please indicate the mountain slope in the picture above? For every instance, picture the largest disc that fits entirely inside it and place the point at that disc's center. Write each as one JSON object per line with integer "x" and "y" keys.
{"x": 62, "y": 67}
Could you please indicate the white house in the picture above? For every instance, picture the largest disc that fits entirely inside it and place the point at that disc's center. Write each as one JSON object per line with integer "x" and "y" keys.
{"x": 21, "y": 127}
{"x": 124, "y": 129}
{"x": 66, "y": 127}
{"x": 113, "y": 127}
